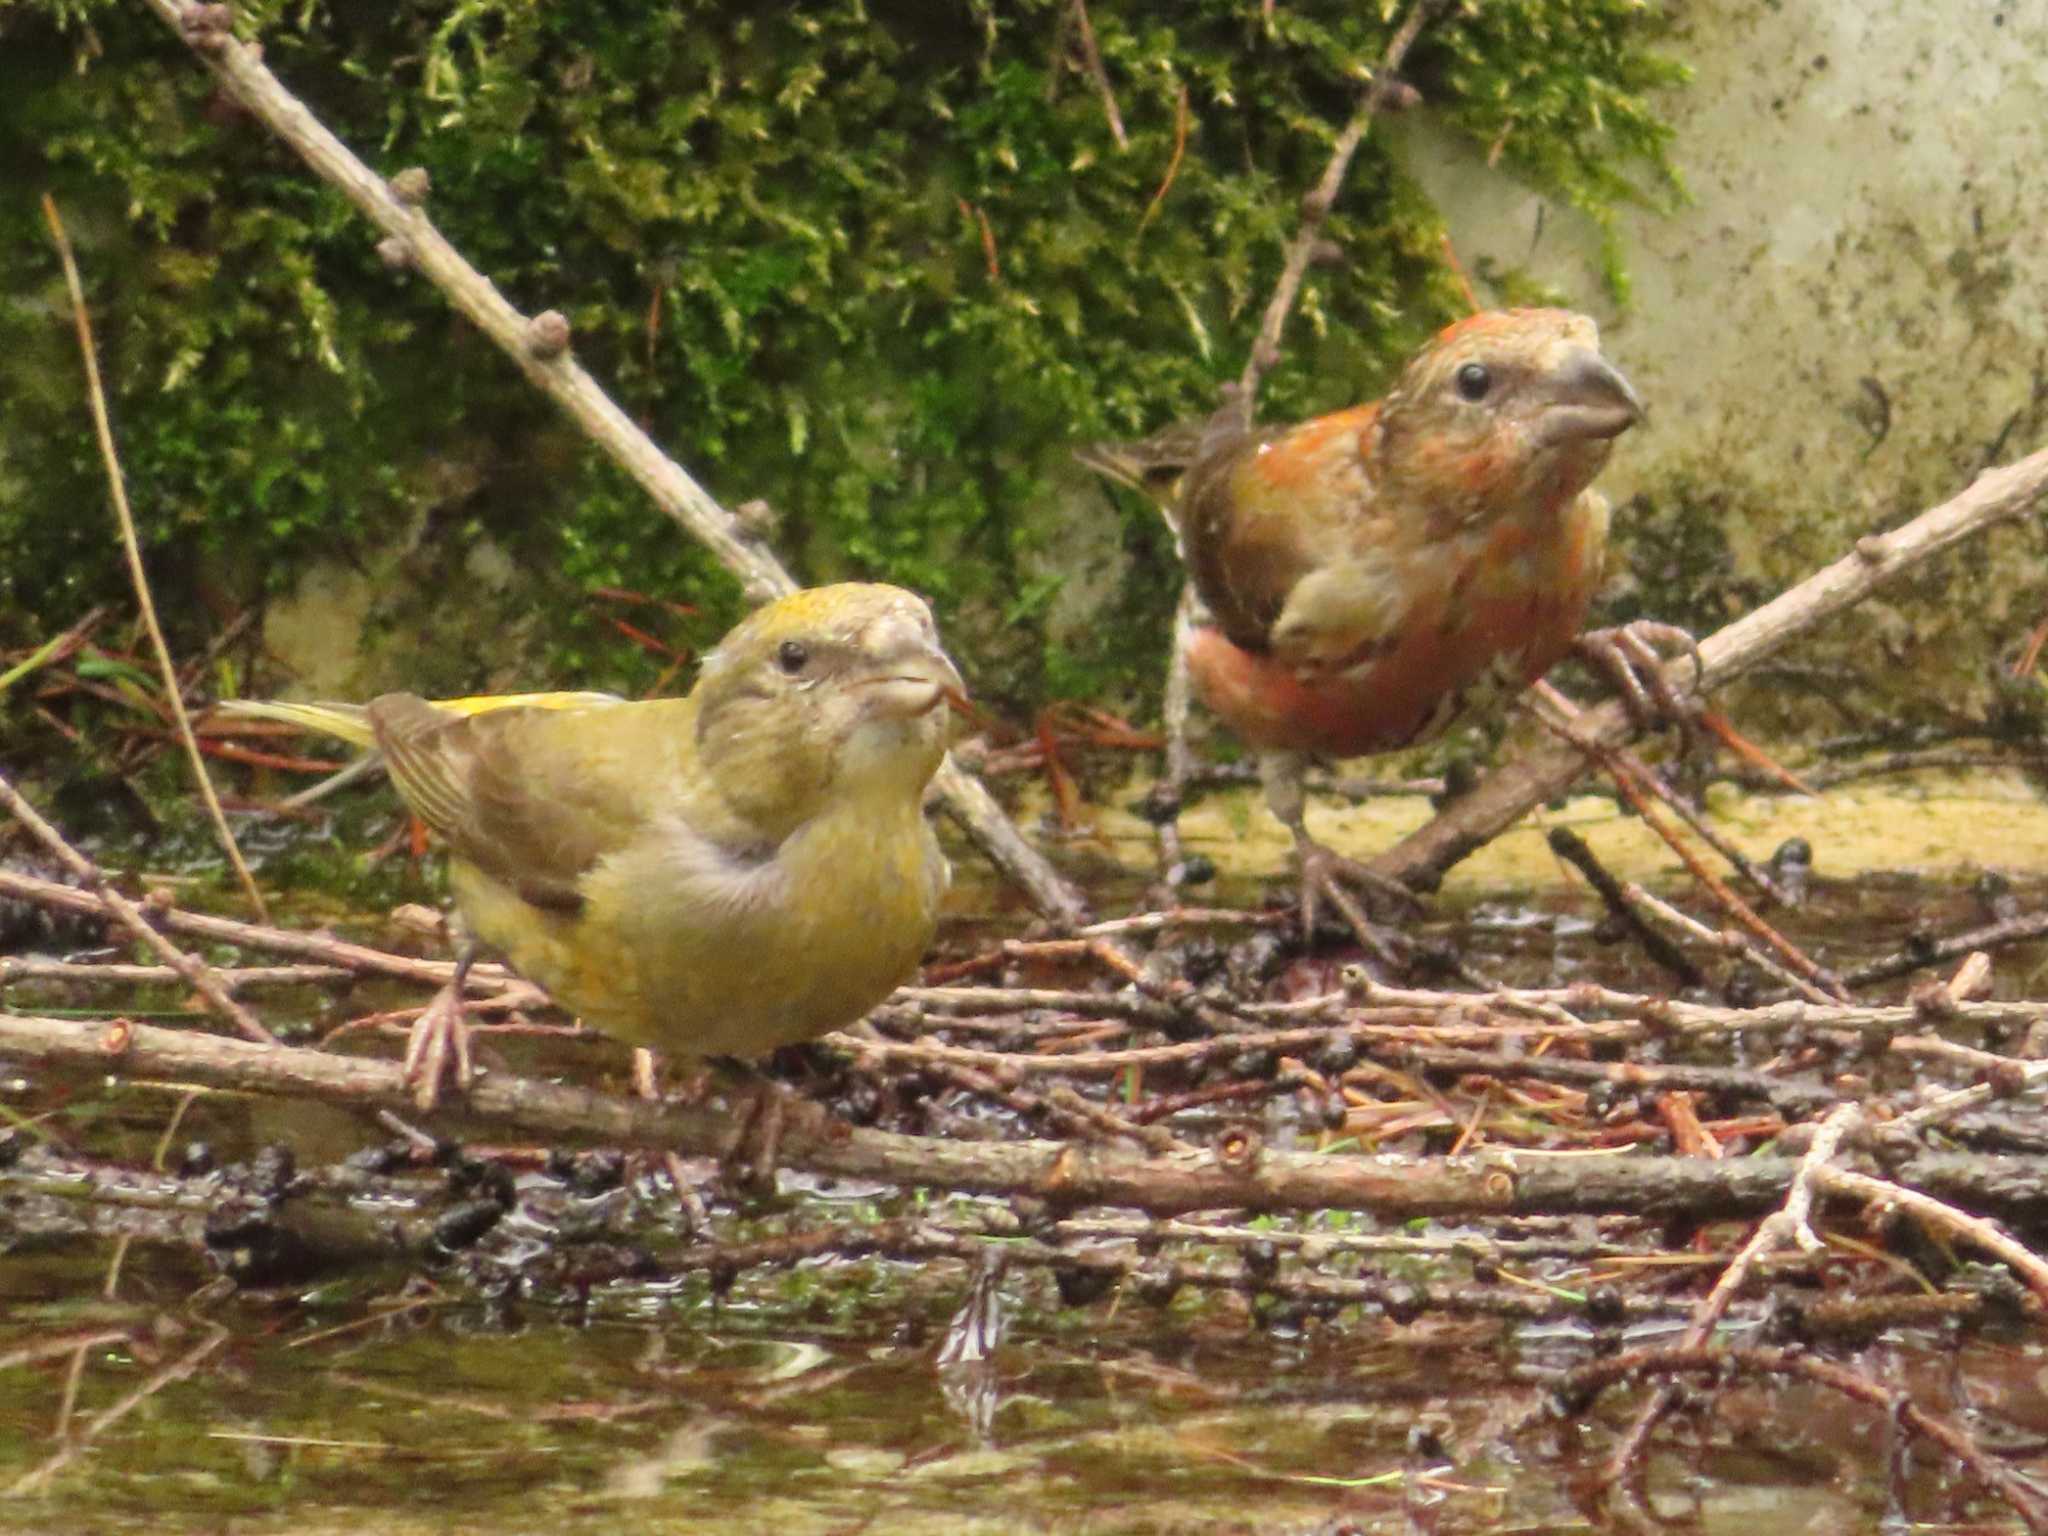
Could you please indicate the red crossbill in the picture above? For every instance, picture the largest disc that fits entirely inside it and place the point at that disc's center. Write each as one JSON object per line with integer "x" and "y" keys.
{"x": 1374, "y": 575}
{"x": 720, "y": 874}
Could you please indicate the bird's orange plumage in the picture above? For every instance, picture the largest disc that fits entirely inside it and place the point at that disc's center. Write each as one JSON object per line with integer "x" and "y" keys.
{"x": 1375, "y": 574}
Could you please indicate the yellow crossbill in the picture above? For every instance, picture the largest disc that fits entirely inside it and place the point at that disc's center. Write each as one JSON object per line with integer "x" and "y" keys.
{"x": 725, "y": 873}
{"x": 1374, "y": 575}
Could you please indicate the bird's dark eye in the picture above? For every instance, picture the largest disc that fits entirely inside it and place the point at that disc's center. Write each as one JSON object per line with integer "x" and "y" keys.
{"x": 1474, "y": 380}
{"x": 791, "y": 656}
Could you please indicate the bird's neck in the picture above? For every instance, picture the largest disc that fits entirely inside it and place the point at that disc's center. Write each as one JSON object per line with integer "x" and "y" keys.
{"x": 1472, "y": 486}
{"x": 866, "y": 865}
{"x": 864, "y": 818}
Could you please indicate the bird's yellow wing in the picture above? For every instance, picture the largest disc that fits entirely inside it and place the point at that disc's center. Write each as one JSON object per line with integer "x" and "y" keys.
{"x": 533, "y": 793}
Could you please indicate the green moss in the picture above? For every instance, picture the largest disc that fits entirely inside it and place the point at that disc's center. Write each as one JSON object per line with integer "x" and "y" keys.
{"x": 879, "y": 263}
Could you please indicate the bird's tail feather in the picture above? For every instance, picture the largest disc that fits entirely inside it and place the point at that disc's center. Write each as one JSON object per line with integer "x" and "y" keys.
{"x": 350, "y": 722}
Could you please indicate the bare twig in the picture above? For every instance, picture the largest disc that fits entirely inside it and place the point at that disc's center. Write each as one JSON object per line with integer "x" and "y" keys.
{"x": 1180, "y": 149}
{"x": 1727, "y": 942}
{"x": 99, "y": 1423}
{"x": 102, "y": 898}
{"x": 1789, "y": 1225}
{"x": 1091, "y": 56}
{"x": 1639, "y": 787}
{"x": 1174, "y": 709}
{"x": 318, "y": 947}
{"x": 1700, "y": 1360}
{"x": 2012, "y": 930}
{"x": 1980, "y": 1234}
{"x": 35, "y": 968}
{"x": 174, "y": 695}
{"x": 1633, "y": 779}
{"x": 1316, "y": 206}
{"x": 1578, "y": 853}
{"x": 538, "y": 346}
{"x": 1510, "y": 792}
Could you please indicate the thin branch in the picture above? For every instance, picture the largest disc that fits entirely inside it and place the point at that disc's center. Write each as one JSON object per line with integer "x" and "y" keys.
{"x": 178, "y": 1369}
{"x": 1091, "y": 56}
{"x": 1512, "y": 791}
{"x": 1315, "y": 208}
{"x": 1716, "y": 1364}
{"x": 1916, "y": 957}
{"x": 540, "y": 347}
{"x": 102, "y": 898}
{"x": 317, "y": 947}
{"x": 1180, "y": 149}
{"x": 35, "y": 968}
{"x": 131, "y": 546}
{"x": 1728, "y": 942}
{"x": 1785, "y": 1227}
{"x": 1634, "y": 781}
{"x": 1983, "y": 1235}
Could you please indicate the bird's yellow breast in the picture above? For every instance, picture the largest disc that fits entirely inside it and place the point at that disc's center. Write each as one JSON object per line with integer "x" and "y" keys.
{"x": 696, "y": 959}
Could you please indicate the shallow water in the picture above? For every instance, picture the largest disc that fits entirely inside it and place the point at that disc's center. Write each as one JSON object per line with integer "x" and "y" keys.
{"x": 672, "y": 1414}
{"x": 413, "y": 1398}
{"x": 1942, "y": 825}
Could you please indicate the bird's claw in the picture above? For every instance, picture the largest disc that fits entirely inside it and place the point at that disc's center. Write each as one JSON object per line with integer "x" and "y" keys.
{"x": 748, "y": 1160}
{"x": 763, "y": 1110}
{"x": 1327, "y": 875}
{"x": 646, "y": 1085}
{"x": 1637, "y": 657}
{"x": 438, "y": 1049}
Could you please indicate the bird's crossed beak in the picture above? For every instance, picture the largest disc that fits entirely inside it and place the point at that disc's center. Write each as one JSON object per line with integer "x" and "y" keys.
{"x": 1589, "y": 400}
{"x": 910, "y": 675}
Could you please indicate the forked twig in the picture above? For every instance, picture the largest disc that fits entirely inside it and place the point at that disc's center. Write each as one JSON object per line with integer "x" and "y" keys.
{"x": 1784, "y": 1227}
{"x": 100, "y": 1423}
{"x": 101, "y": 897}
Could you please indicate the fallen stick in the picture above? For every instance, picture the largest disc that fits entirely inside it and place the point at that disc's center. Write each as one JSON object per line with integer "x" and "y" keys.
{"x": 1240, "y": 1174}
{"x": 101, "y": 898}
{"x": 1513, "y": 790}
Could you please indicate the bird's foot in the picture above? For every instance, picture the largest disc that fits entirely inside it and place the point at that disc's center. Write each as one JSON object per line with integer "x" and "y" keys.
{"x": 437, "y": 1050}
{"x": 749, "y": 1158}
{"x": 438, "y": 1046}
{"x": 646, "y": 1085}
{"x": 763, "y": 1112}
{"x": 1637, "y": 656}
{"x": 1327, "y": 875}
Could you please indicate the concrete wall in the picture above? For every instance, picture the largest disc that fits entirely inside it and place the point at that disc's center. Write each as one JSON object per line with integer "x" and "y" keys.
{"x": 1852, "y": 315}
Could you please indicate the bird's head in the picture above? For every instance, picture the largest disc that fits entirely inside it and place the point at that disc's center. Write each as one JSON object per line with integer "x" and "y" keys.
{"x": 1504, "y": 408}
{"x": 828, "y": 692}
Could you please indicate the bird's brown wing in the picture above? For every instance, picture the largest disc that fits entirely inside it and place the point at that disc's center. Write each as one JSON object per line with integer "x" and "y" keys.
{"x": 532, "y": 796}
{"x": 1261, "y": 511}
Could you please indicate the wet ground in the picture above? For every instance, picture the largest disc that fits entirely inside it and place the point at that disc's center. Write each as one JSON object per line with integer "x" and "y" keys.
{"x": 659, "y": 1413}
{"x": 136, "y": 1392}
